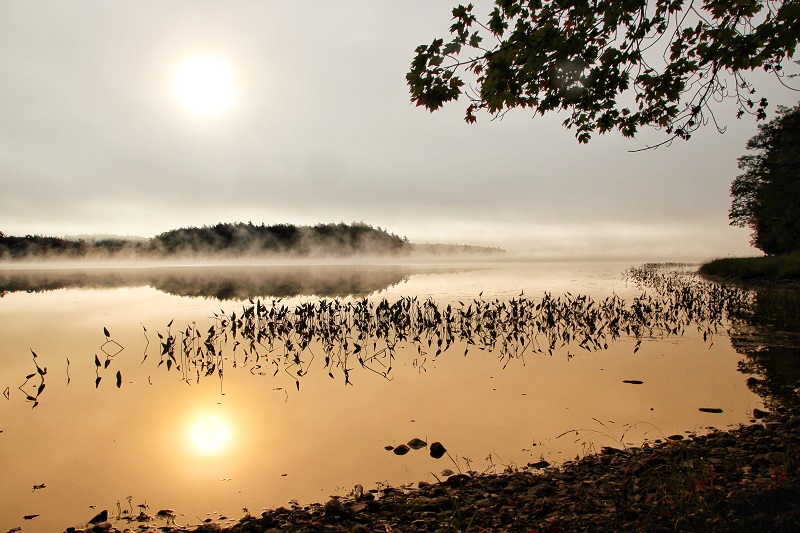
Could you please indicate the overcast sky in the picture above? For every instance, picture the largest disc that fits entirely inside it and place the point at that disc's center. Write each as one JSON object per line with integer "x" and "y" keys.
{"x": 94, "y": 140}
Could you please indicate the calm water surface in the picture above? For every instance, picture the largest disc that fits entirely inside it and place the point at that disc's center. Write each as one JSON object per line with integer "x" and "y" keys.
{"x": 212, "y": 447}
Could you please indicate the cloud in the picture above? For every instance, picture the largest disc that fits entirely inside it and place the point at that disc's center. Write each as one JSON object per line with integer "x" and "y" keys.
{"x": 92, "y": 140}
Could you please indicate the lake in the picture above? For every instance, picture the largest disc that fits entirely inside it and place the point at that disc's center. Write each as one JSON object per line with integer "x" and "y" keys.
{"x": 142, "y": 388}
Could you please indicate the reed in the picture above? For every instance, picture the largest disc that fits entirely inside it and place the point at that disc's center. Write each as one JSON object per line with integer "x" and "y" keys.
{"x": 367, "y": 334}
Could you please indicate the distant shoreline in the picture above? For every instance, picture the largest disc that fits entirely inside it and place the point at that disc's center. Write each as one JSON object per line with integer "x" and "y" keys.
{"x": 237, "y": 242}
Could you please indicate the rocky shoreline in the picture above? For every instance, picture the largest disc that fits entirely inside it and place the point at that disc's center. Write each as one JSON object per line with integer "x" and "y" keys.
{"x": 735, "y": 480}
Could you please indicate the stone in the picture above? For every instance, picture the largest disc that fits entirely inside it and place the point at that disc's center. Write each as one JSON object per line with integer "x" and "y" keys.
{"x": 401, "y": 450}
{"x": 437, "y": 451}
{"x": 100, "y": 517}
{"x": 334, "y": 507}
{"x": 777, "y": 458}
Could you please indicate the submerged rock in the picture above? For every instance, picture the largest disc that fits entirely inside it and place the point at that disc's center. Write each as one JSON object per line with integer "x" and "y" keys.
{"x": 759, "y": 414}
{"x": 401, "y": 450}
{"x": 437, "y": 450}
{"x": 416, "y": 444}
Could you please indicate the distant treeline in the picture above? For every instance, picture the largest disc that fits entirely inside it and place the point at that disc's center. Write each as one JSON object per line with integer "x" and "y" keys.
{"x": 454, "y": 249}
{"x": 32, "y": 246}
{"x": 238, "y": 240}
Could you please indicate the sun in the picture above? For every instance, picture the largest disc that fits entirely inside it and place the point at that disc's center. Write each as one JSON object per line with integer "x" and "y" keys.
{"x": 209, "y": 434}
{"x": 204, "y": 85}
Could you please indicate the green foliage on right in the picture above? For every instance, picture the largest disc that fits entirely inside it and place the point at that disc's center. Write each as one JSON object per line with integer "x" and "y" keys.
{"x": 766, "y": 198}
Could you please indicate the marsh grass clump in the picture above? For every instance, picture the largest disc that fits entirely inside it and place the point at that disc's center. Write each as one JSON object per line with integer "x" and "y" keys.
{"x": 770, "y": 268}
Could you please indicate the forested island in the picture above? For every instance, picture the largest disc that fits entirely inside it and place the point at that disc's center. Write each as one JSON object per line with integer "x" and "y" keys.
{"x": 236, "y": 240}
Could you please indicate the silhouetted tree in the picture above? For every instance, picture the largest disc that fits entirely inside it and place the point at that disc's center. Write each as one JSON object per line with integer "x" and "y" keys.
{"x": 766, "y": 198}
{"x": 232, "y": 240}
{"x": 38, "y": 246}
{"x": 327, "y": 239}
{"x": 611, "y": 64}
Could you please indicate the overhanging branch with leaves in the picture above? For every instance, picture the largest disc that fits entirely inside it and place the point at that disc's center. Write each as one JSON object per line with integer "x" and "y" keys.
{"x": 611, "y": 65}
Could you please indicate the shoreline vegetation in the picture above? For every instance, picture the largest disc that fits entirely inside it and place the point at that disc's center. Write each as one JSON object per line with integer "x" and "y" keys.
{"x": 239, "y": 241}
{"x": 767, "y": 269}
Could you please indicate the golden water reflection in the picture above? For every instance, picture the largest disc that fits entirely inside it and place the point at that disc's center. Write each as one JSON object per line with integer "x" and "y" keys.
{"x": 252, "y": 439}
{"x": 209, "y": 434}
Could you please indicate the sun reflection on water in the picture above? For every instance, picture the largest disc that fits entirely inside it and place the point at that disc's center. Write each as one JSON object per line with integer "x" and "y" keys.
{"x": 209, "y": 433}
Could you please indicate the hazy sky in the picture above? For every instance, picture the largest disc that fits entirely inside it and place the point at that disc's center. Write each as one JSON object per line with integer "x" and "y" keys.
{"x": 94, "y": 140}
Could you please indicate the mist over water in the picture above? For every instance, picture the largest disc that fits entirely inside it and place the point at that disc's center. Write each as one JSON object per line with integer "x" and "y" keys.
{"x": 221, "y": 282}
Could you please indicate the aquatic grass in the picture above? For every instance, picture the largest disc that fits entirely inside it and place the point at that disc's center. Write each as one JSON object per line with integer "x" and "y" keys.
{"x": 587, "y": 437}
{"x": 366, "y": 334}
{"x": 343, "y": 335}
{"x": 31, "y": 396}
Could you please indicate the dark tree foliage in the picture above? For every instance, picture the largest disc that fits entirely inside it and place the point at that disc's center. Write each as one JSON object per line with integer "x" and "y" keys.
{"x": 227, "y": 240}
{"x": 611, "y": 64}
{"x": 766, "y": 198}
{"x": 40, "y": 246}
{"x": 285, "y": 239}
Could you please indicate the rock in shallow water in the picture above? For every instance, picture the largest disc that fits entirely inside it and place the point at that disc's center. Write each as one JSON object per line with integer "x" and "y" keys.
{"x": 416, "y": 444}
{"x": 437, "y": 450}
{"x": 102, "y": 516}
{"x": 401, "y": 450}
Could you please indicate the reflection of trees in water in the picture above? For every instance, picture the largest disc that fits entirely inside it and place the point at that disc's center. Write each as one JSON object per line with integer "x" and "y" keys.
{"x": 46, "y": 280}
{"x": 223, "y": 283}
{"x": 766, "y": 331}
{"x": 281, "y": 283}
{"x": 769, "y": 338}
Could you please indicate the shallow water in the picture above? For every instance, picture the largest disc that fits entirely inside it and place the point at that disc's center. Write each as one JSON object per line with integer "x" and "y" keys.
{"x": 206, "y": 446}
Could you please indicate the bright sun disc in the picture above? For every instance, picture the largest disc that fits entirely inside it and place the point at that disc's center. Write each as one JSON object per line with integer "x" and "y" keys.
{"x": 210, "y": 434}
{"x": 204, "y": 85}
